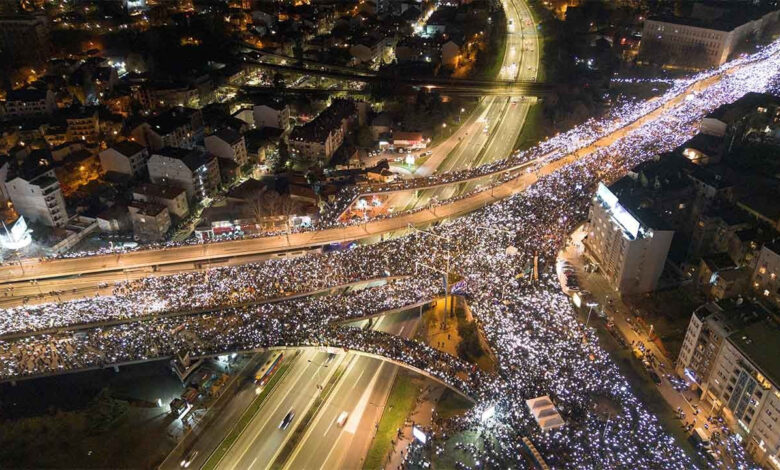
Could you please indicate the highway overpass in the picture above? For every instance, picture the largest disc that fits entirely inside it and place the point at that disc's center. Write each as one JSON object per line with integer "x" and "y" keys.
{"x": 27, "y": 269}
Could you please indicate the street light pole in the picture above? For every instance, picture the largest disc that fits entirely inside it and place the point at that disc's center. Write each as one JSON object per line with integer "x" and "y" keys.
{"x": 446, "y": 273}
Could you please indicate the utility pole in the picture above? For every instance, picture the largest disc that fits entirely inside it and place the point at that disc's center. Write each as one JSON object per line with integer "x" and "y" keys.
{"x": 446, "y": 272}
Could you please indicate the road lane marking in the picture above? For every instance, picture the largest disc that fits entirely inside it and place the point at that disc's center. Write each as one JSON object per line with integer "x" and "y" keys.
{"x": 358, "y": 379}
{"x": 357, "y": 411}
{"x": 247, "y": 442}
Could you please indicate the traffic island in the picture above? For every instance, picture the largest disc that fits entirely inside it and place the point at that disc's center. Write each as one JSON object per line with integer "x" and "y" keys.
{"x": 458, "y": 334}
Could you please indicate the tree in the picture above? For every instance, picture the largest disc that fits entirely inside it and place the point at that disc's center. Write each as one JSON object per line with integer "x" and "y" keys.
{"x": 364, "y": 137}
{"x": 469, "y": 346}
{"x": 278, "y": 81}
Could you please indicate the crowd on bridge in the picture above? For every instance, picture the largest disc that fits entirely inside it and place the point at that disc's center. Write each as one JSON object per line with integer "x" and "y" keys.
{"x": 744, "y": 73}
{"x": 541, "y": 348}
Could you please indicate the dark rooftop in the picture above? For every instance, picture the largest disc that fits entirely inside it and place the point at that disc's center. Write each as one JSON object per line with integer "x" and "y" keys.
{"x": 228, "y": 135}
{"x": 317, "y": 130}
{"x": 158, "y": 191}
{"x": 168, "y": 121}
{"x": 193, "y": 158}
{"x": 731, "y": 112}
{"x": 127, "y": 147}
{"x": 26, "y": 94}
{"x": 760, "y": 342}
{"x": 719, "y": 262}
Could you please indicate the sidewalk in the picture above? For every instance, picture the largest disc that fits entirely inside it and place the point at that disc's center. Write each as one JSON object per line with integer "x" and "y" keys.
{"x": 421, "y": 416}
{"x": 634, "y": 333}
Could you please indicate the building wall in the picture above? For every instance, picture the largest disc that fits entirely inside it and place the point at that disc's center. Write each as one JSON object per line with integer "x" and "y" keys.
{"x": 164, "y": 170}
{"x": 84, "y": 128}
{"x": 111, "y": 160}
{"x": 711, "y": 46}
{"x": 148, "y": 227}
{"x": 21, "y": 109}
{"x": 765, "y": 276}
{"x": 220, "y": 148}
{"x": 43, "y": 205}
{"x": 748, "y": 401}
{"x": 177, "y": 206}
{"x": 266, "y": 116}
{"x": 632, "y": 266}
{"x": 26, "y": 38}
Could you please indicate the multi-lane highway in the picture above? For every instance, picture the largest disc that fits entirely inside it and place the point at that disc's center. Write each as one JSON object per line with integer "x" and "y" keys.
{"x": 492, "y": 129}
{"x": 465, "y": 148}
{"x": 361, "y": 390}
{"x": 263, "y": 439}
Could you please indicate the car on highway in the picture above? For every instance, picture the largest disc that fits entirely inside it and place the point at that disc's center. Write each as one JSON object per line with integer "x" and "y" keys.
{"x": 287, "y": 420}
{"x": 342, "y": 419}
{"x": 187, "y": 461}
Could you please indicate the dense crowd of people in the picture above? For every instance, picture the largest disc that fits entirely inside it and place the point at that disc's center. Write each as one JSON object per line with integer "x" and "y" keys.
{"x": 565, "y": 143}
{"x": 540, "y": 347}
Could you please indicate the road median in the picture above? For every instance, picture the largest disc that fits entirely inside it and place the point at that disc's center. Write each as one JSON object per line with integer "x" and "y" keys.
{"x": 245, "y": 419}
{"x": 300, "y": 429}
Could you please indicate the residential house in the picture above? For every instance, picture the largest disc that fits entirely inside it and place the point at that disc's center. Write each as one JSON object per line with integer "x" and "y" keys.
{"x": 173, "y": 198}
{"x": 192, "y": 169}
{"x": 126, "y": 157}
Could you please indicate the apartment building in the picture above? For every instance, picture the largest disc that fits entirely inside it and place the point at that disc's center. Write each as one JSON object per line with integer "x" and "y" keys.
{"x": 194, "y": 170}
{"x": 229, "y": 145}
{"x": 764, "y": 280}
{"x": 173, "y": 198}
{"x": 150, "y": 221}
{"x": 743, "y": 388}
{"x": 177, "y": 127}
{"x": 271, "y": 113}
{"x": 629, "y": 244}
{"x": 126, "y": 157}
{"x": 28, "y": 103}
{"x": 38, "y": 197}
{"x": 82, "y": 124}
{"x": 706, "y": 38}
{"x": 322, "y": 136}
{"x": 708, "y": 328}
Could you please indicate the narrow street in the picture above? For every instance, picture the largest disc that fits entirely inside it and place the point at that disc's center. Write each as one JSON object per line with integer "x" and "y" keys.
{"x": 631, "y": 332}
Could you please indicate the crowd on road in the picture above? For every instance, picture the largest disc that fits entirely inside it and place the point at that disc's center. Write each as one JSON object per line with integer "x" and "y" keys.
{"x": 540, "y": 347}
{"x": 747, "y": 73}
{"x": 194, "y": 291}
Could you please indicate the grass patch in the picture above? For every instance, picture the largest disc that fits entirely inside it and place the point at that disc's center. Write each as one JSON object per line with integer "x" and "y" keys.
{"x": 300, "y": 429}
{"x": 497, "y": 46}
{"x": 532, "y": 131}
{"x": 451, "y": 404}
{"x": 399, "y": 405}
{"x": 245, "y": 419}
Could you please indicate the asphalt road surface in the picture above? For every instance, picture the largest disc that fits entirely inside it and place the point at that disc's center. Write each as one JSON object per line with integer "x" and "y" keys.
{"x": 362, "y": 392}
{"x": 261, "y": 442}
